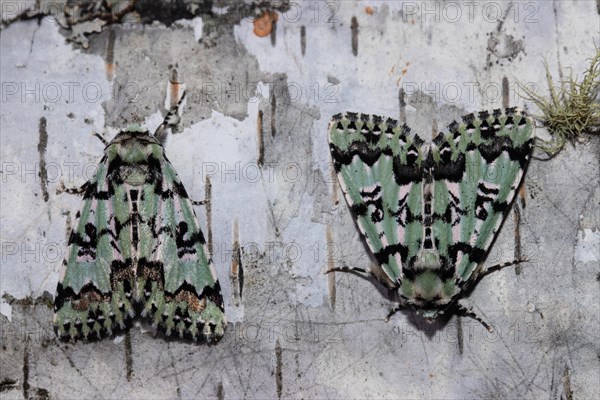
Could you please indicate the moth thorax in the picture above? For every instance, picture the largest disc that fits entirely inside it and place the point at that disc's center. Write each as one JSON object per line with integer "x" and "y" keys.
{"x": 428, "y": 288}
{"x": 135, "y": 151}
{"x": 134, "y": 174}
{"x": 135, "y": 155}
{"x": 427, "y": 260}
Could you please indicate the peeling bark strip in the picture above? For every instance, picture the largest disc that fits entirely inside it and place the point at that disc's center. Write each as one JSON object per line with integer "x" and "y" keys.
{"x": 303, "y": 39}
{"x": 522, "y": 196}
{"x": 260, "y": 139}
{"x": 42, "y": 145}
{"x": 266, "y": 24}
{"x": 110, "y": 55}
{"x": 144, "y": 11}
{"x": 278, "y": 377}
{"x": 354, "y": 30}
{"x": 175, "y": 86}
{"x": 128, "y": 357}
{"x": 237, "y": 270}
{"x": 567, "y": 384}
{"x": 330, "y": 266}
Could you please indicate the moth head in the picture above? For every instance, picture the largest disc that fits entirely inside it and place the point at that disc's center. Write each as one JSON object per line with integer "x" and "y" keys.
{"x": 430, "y": 315}
{"x": 135, "y": 128}
{"x": 428, "y": 291}
{"x": 133, "y": 135}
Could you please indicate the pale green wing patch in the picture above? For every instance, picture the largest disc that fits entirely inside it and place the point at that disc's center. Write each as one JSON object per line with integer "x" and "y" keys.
{"x": 94, "y": 291}
{"x": 176, "y": 278}
{"x": 488, "y": 155}
{"x": 377, "y": 163}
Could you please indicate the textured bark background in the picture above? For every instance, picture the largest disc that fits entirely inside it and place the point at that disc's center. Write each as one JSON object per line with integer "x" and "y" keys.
{"x": 254, "y": 141}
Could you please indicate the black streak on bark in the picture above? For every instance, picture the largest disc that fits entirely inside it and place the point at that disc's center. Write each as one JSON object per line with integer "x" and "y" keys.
{"x": 273, "y": 32}
{"x": 26, "y": 371}
{"x": 220, "y": 392}
{"x": 303, "y": 39}
{"x": 128, "y": 357}
{"x": 278, "y": 377}
{"x": 354, "y": 30}
{"x": 567, "y": 385}
{"x": 208, "y": 202}
{"x": 505, "y": 93}
{"x": 273, "y": 111}
{"x": 517, "y": 224}
{"x": 460, "y": 336}
{"x": 330, "y": 266}
{"x": 261, "y": 143}
{"x": 42, "y": 145}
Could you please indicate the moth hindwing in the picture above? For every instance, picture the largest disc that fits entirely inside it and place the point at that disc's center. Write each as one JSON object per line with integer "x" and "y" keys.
{"x": 429, "y": 212}
{"x": 136, "y": 248}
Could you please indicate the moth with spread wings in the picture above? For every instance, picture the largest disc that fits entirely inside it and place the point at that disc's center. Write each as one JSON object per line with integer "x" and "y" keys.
{"x": 137, "y": 248}
{"x": 429, "y": 212}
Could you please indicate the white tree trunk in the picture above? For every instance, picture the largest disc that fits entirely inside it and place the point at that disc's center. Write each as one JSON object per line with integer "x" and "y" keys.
{"x": 254, "y": 128}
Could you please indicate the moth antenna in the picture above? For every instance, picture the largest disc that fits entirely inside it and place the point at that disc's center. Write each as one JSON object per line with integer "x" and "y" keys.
{"x": 393, "y": 311}
{"x": 171, "y": 119}
{"x": 99, "y": 136}
{"x": 71, "y": 190}
{"x": 348, "y": 269}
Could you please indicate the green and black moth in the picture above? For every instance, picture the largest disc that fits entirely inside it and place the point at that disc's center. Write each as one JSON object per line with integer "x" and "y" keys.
{"x": 136, "y": 249}
{"x": 429, "y": 212}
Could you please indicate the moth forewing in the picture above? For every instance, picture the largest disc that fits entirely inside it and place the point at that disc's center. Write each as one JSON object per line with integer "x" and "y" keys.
{"x": 429, "y": 212}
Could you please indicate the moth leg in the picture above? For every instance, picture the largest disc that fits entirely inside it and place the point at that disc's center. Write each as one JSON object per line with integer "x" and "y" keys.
{"x": 465, "y": 308}
{"x": 71, "y": 190}
{"x": 199, "y": 202}
{"x": 345, "y": 268}
{"x": 393, "y": 311}
{"x": 374, "y": 271}
{"x": 497, "y": 267}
